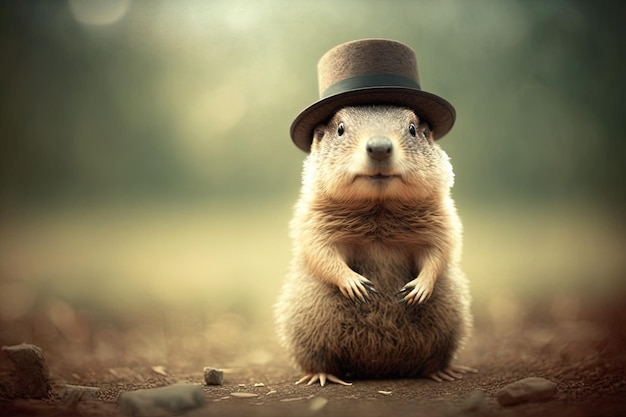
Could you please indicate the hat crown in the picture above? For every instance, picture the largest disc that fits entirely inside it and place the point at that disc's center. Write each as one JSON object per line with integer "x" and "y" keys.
{"x": 364, "y": 57}
{"x": 370, "y": 72}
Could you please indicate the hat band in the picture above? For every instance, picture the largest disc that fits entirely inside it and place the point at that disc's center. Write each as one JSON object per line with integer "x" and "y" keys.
{"x": 369, "y": 81}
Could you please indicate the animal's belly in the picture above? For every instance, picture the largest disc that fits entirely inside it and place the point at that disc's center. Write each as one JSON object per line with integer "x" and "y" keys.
{"x": 323, "y": 331}
{"x": 384, "y": 337}
{"x": 387, "y": 338}
{"x": 389, "y": 268}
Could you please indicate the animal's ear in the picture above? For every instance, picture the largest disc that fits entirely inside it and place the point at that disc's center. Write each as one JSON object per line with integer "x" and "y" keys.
{"x": 424, "y": 127}
{"x": 319, "y": 132}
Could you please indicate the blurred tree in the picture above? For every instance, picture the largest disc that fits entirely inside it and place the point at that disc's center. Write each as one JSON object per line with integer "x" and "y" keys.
{"x": 131, "y": 109}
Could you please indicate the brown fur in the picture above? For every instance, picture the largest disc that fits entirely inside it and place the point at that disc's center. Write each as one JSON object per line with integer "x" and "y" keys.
{"x": 349, "y": 228}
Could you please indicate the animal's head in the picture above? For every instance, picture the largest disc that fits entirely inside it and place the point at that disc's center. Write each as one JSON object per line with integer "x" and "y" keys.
{"x": 376, "y": 153}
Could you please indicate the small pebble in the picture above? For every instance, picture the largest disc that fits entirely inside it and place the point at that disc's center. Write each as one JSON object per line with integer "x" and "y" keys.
{"x": 317, "y": 403}
{"x": 385, "y": 392}
{"x": 159, "y": 369}
{"x": 259, "y": 384}
{"x": 288, "y": 400}
{"x": 172, "y": 399}
{"x": 241, "y": 385}
{"x": 30, "y": 378}
{"x": 213, "y": 376}
{"x": 530, "y": 389}
{"x": 271, "y": 392}
{"x": 475, "y": 401}
{"x": 244, "y": 394}
{"x": 72, "y": 394}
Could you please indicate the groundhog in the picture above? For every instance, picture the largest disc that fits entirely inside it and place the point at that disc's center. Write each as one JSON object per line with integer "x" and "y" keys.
{"x": 374, "y": 289}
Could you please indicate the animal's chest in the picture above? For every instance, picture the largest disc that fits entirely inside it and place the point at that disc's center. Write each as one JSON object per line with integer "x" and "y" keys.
{"x": 379, "y": 228}
{"x": 388, "y": 266}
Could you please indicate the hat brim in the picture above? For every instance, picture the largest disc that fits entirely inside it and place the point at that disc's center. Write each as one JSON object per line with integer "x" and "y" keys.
{"x": 439, "y": 113}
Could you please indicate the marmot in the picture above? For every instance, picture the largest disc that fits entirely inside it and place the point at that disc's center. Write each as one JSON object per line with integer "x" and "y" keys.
{"x": 374, "y": 289}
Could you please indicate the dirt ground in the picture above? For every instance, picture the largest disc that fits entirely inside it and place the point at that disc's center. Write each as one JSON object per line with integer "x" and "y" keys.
{"x": 584, "y": 355}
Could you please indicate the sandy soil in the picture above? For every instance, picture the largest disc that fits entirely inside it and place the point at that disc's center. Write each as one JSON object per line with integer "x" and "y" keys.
{"x": 585, "y": 357}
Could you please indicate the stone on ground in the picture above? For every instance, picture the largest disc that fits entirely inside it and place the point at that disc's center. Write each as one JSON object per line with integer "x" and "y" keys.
{"x": 172, "y": 399}
{"x": 28, "y": 374}
{"x": 73, "y": 394}
{"x": 475, "y": 401}
{"x": 213, "y": 376}
{"x": 530, "y": 389}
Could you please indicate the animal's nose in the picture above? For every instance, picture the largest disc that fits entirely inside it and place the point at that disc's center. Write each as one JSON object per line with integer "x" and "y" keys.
{"x": 379, "y": 147}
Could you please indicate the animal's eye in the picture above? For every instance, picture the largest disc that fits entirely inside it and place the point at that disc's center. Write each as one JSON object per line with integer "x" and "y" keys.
{"x": 412, "y": 130}
{"x": 340, "y": 129}
{"x": 426, "y": 131}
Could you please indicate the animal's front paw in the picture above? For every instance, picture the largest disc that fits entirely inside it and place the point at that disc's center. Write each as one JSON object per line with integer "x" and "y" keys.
{"x": 321, "y": 377}
{"x": 356, "y": 287}
{"x": 451, "y": 373}
{"x": 417, "y": 291}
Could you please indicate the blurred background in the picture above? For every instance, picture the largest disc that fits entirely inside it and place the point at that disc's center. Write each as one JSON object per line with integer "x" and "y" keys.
{"x": 146, "y": 164}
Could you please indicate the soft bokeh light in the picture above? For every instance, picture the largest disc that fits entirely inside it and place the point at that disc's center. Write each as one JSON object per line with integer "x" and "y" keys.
{"x": 94, "y": 12}
{"x": 146, "y": 161}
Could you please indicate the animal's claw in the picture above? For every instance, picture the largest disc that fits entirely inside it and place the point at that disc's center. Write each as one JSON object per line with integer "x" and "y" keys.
{"x": 451, "y": 373}
{"x": 357, "y": 288}
{"x": 403, "y": 291}
{"x": 416, "y": 291}
{"x": 369, "y": 286}
{"x": 321, "y": 377}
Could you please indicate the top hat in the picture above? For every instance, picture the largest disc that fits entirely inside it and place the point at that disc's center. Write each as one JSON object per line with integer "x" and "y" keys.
{"x": 370, "y": 71}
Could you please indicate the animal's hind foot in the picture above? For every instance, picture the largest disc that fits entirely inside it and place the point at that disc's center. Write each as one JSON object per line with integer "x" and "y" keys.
{"x": 452, "y": 373}
{"x": 322, "y": 377}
